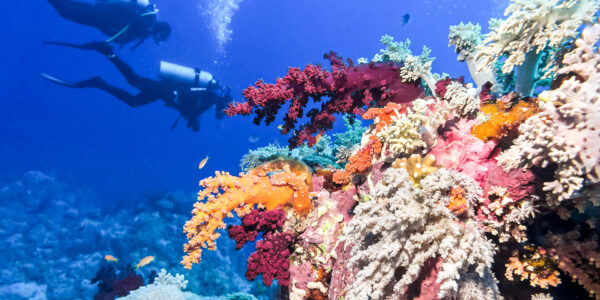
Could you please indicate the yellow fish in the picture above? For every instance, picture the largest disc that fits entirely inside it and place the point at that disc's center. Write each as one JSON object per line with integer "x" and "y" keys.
{"x": 110, "y": 258}
{"x": 203, "y": 163}
{"x": 146, "y": 260}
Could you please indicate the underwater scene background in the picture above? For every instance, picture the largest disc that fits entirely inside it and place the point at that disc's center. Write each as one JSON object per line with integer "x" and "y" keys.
{"x": 344, "y": 149}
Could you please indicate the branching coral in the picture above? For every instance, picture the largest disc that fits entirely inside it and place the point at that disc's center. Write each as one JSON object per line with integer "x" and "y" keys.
{"x": 393, "y": 234}
{"x": 532, "y": 26}
{"x": 462, "y": 100}
{"x": 565, "y": 136}
{"x": 503, "y": 216}
{"x": 272, "y": 185}
{"x": 414, "y": 67}
{"x": 581, "y": 260}
{"x": 349, "y": 88}
{"x": 535, "y": 264}
{"x": 466, "y": 38}
{"x": 413, "y": 129}
{"x": 271, "y": 258}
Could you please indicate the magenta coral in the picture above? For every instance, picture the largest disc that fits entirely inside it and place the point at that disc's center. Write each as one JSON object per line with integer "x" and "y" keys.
{"x": 271, "y": 259}
{"x": 350, "y": 88}
{"x": 253, "y": 223}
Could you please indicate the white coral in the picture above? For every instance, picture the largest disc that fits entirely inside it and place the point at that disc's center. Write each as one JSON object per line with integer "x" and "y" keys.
{"x": 533, "y": 25}
{"x": 405, "y": 133}
{"x": 568, "y": 135}
{"x": 402, "y": 227}
{"x": 463, "y": 100}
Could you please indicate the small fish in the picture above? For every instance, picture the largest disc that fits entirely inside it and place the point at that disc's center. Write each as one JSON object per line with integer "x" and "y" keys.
{"x": 405, "y": 19}
{"x": 318, "y": 137}
{"x": 146, "y": 260}
{"x": 280, "y": 126}
{"x": 203, "y": 163}
{"x": 110, "y": 258}
{"x": 253, "y": 139}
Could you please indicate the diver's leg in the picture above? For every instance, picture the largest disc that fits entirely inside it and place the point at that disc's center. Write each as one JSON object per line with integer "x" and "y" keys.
{"x": 76, "y": 11}
{"x": 131, "y": 76}
{"x": 99, "y": 83}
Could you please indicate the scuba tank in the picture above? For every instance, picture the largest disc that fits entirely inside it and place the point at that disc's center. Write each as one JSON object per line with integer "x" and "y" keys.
{"x": 138, "y": 3}
{"x": 192, "y": 77}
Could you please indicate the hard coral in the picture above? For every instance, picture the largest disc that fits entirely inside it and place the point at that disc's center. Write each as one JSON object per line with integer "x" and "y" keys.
{"x": 272, "y": 185}
{"x": 350, "y": 88}
{"x": 417, "y": 166}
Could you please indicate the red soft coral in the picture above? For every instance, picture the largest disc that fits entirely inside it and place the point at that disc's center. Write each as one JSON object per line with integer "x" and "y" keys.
{"x": 271, "y": 259}
{"x": 349, "y": 89}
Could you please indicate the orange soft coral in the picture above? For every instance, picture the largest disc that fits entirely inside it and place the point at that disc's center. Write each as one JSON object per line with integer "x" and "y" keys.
{"x": 359, "y": 162}
{"x": 504, "y": 119}
{"x": 383, "y": 116}
{"x": 458, "y": 204}
{"x": 271, "y": 185}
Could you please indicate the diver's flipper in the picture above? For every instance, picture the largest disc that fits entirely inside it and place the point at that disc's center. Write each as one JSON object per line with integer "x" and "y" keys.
{"x": 92, "y": 82}
{"x": 102, "y": 47}
{"x": 59, "y": 81}
{"x": 175, "y": 123}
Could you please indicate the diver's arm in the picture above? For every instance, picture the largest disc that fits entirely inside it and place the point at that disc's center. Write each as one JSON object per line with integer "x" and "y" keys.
{"x": 139, "y": 42}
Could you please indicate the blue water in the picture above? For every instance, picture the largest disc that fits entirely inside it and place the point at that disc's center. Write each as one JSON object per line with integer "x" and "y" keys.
{"x": 92, "y": 141}
{"x": 118, "y": 151}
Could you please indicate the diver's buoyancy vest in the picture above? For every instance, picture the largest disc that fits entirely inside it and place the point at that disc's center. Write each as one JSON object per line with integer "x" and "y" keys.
{"x": 192, "y": 77}
{"x": 138, "y": 3}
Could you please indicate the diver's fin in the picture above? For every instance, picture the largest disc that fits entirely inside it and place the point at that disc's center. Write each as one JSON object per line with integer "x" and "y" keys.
{"x": 175, "y": 123}
{"x": 96, "y": 81}
{"x": 59, "y": 81}
{"x": 102, "y": 47}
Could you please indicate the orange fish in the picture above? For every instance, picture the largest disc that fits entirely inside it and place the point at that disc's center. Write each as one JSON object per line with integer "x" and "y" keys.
{"x": 146, "y": 260}
{"x": 203, "y": 163}
{"x": 110, "y": 258}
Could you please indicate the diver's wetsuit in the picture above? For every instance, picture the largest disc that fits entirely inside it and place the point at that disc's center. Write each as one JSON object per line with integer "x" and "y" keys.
{"x": 121, "y": 21}
{"x": 190, "y": 102}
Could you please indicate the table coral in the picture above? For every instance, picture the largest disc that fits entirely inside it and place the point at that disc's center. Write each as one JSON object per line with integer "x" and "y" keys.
{"x": 350, "y": 88}
{"x": 272, "y": 185}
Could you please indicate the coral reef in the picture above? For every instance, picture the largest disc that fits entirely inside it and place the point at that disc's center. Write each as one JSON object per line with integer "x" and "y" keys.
{"x": 453, "y": 191}
{"x": 532, "y": 26}
{"x": 272, "y": 185}
{"x": 56, "y": 238}
{"x": 565, "y": 131}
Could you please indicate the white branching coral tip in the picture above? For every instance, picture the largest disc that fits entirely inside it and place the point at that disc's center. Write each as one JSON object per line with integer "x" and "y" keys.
{"x": 403, "y": 227}
{"x": 409, "y": 131}
{"x": 566, "y": 131}
{"x": 463, "y": 101}
{"x": 533, "y": 25}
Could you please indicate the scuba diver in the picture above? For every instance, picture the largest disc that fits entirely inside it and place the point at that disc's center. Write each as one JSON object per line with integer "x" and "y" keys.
{"x": 190, "y": 91}
{"x": 123, "y": 21}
